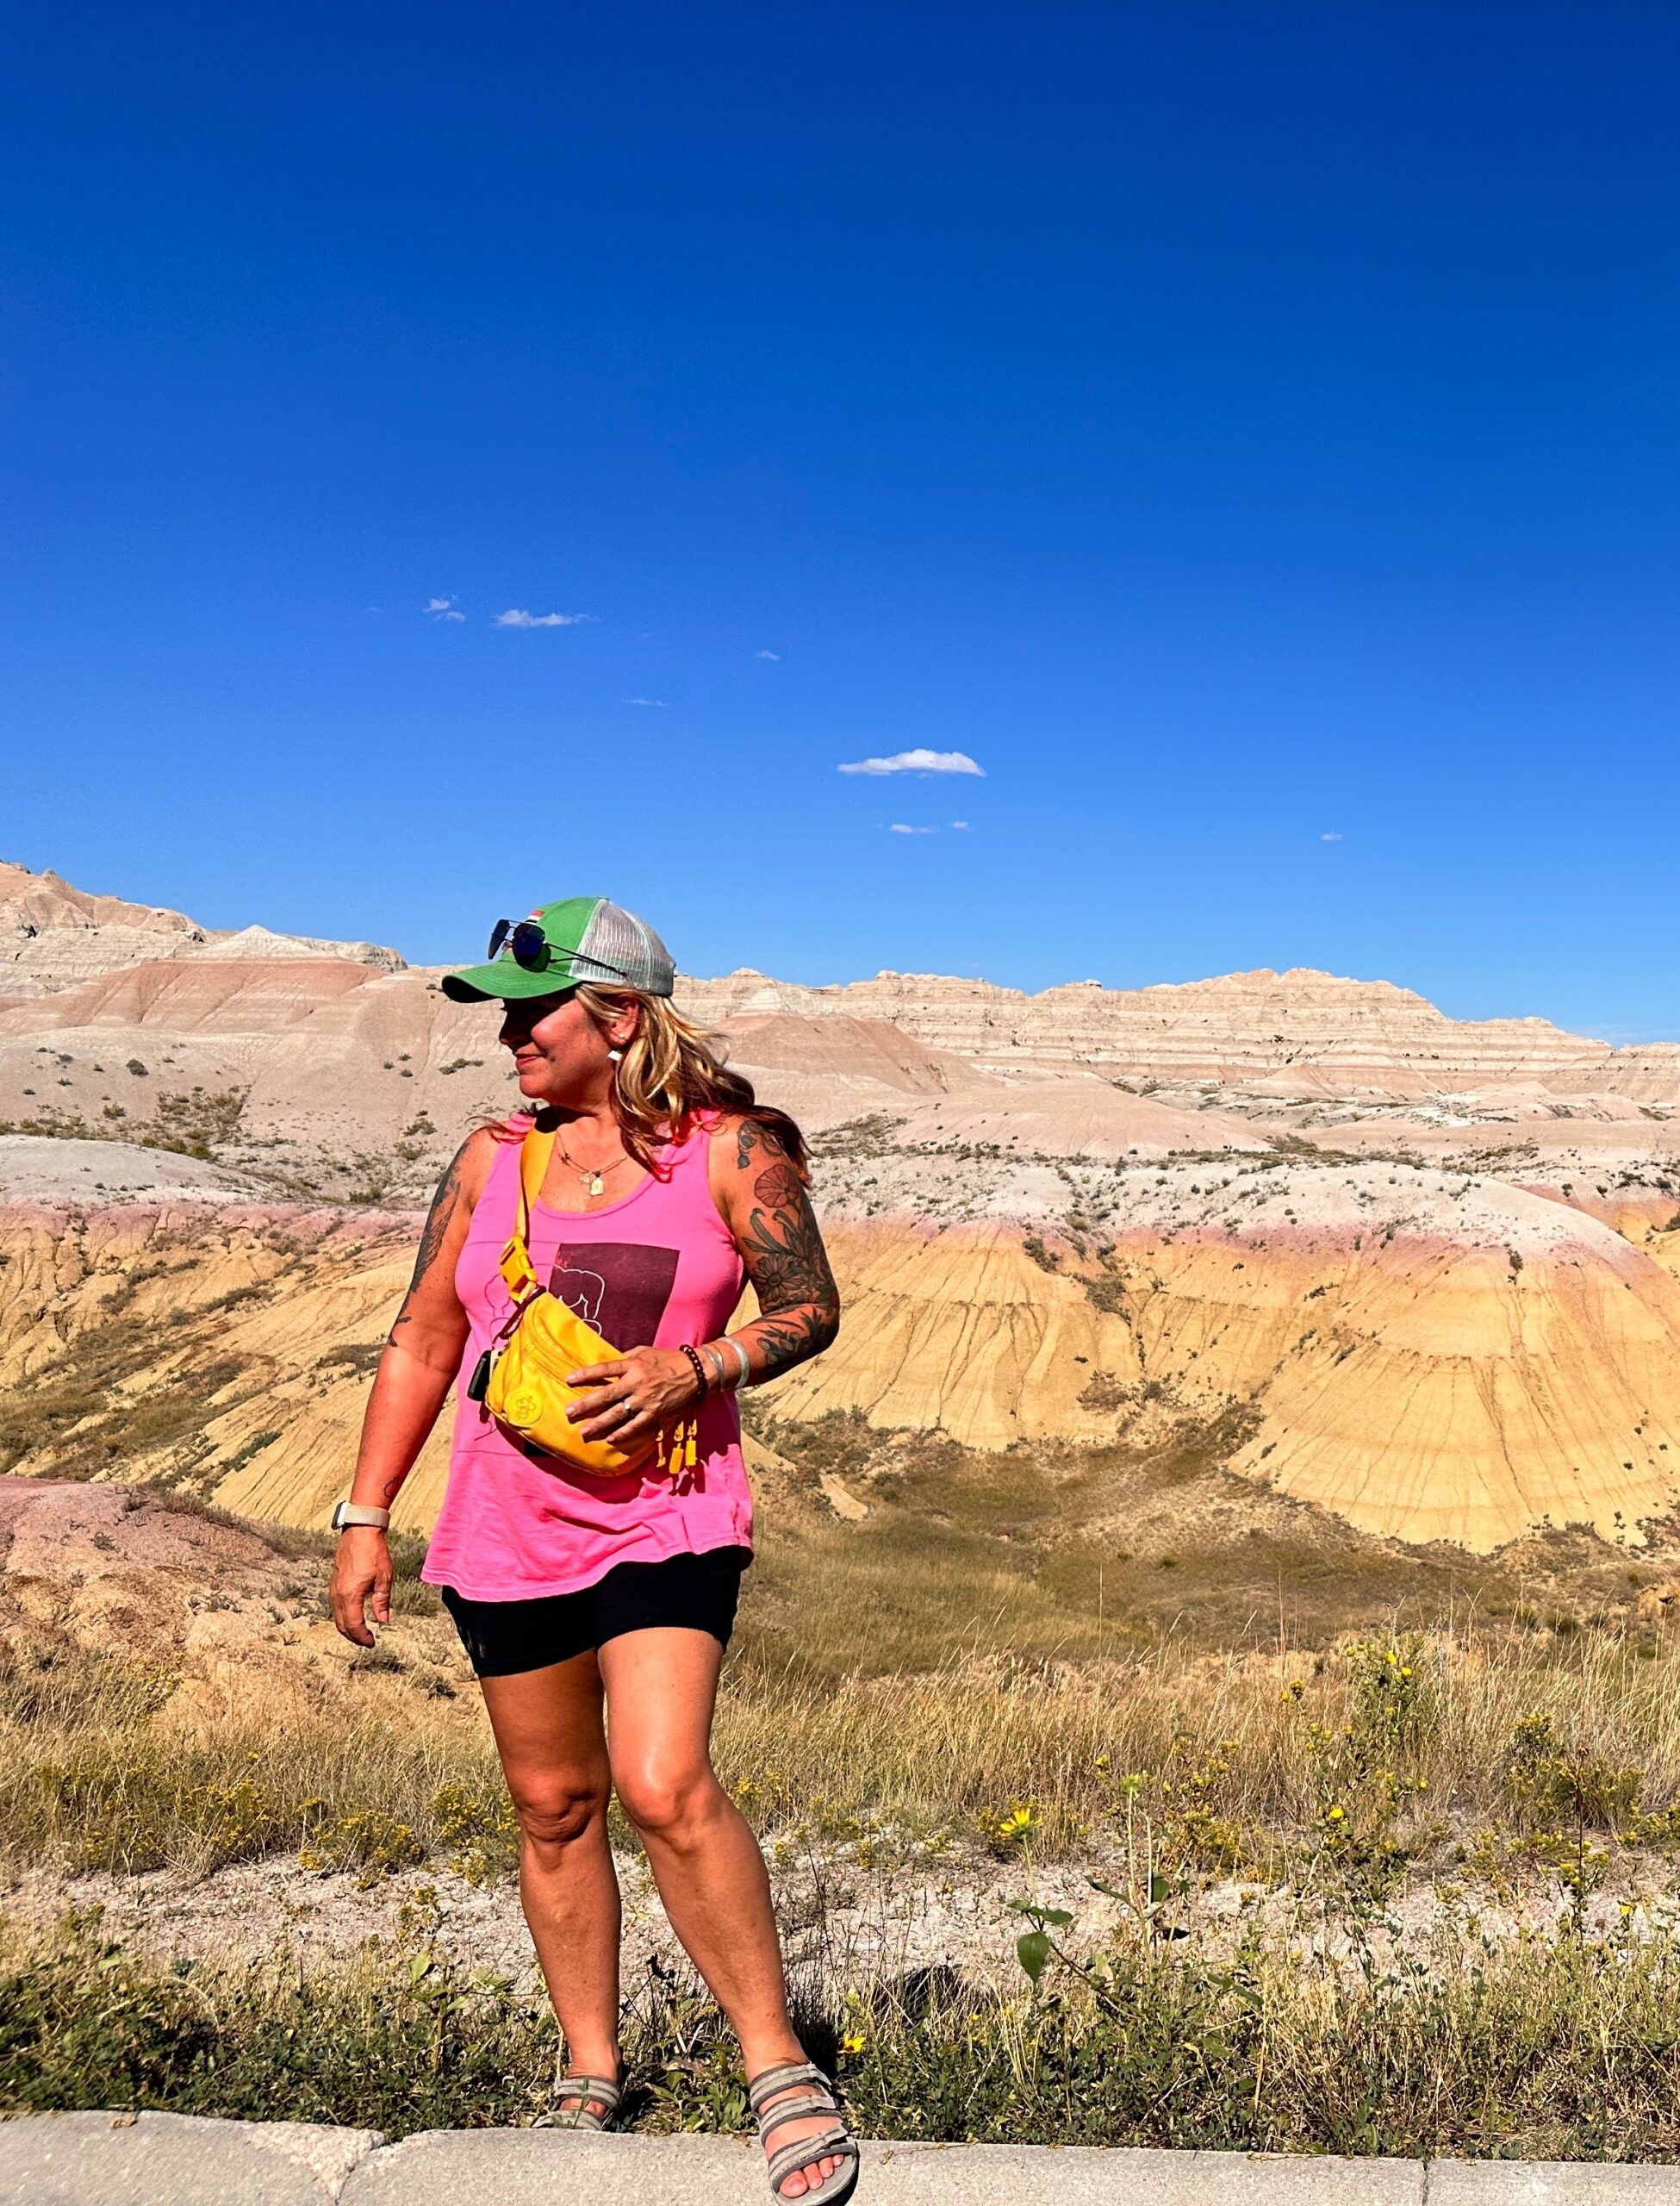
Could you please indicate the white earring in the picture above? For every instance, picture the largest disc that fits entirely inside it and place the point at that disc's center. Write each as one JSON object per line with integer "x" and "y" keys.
{"x": 616, "y": 1055}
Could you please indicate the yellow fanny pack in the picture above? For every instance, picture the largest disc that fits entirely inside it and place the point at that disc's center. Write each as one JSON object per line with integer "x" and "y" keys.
{"x": 521, "y": 1378}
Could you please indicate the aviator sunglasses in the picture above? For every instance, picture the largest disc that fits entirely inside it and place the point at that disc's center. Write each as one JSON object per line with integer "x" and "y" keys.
{"x": 524, "y": 937}
{"x": 532, "y": 947}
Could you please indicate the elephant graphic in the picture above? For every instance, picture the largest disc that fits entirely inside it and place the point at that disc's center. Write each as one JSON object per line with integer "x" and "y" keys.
{"x": 621, "y": 1287}
{"x": 581, "y": 1292}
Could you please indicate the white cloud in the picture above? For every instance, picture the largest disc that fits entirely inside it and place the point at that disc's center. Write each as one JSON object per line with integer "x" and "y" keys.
{"x": 917, "y": 762}
{"x": 774, "y": 655}
{"x": 961, "y": 826}
{"x": 1332, "y": 837}
{"x": 645, "y": 700}
{"x": 443, "y": 608}
{"x": 899, "y": 828}
{"x": 517, "y": 617}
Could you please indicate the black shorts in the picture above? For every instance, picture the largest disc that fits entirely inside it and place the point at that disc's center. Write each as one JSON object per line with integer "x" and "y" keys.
{"x": 696, "y": 1590}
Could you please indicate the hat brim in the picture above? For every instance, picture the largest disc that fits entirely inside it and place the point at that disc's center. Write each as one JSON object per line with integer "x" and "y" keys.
{"x": 505, "y": 979}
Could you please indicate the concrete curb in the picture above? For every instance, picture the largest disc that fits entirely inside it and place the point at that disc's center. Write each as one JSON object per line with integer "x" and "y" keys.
{"x": 175, "y": 2159}
{"x": 172, "y": 2160}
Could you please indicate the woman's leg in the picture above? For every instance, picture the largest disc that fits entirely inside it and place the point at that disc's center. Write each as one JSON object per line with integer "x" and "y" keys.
{"x": 548, "y": 1732}
{"x": 662, "y": 1687}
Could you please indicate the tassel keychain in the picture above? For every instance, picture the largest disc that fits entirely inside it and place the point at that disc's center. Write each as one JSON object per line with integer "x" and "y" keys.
{"x": 679, "y": 1455}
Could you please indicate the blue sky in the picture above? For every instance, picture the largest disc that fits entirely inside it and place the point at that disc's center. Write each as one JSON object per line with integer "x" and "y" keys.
{"x": 1250, "y": 433}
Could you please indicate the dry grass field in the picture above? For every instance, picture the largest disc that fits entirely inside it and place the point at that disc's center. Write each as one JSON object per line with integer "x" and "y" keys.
{"x": 1368, "y": 1852}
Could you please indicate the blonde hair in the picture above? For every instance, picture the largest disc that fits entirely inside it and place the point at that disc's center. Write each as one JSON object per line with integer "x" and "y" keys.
{"x": 669, "y": 1069}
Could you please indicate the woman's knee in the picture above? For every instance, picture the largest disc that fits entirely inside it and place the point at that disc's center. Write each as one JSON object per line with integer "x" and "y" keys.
{"x": 671, "y": 1801}
{"x": 554, "y": 1813}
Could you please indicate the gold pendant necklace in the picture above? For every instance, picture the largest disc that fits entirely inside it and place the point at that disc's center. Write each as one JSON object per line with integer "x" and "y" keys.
{"x": 594, "y": 1179}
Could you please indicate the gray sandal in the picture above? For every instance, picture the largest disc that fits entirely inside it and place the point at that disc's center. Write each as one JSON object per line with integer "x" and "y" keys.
{"x": 835, "y": 2143}
{"x": 603, "y": 2090}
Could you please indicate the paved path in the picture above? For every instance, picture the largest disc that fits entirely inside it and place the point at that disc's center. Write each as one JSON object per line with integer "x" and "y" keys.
{"x": 172, "y": 2160}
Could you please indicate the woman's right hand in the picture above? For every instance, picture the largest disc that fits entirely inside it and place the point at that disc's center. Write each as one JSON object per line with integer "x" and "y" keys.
{"x": 361, "y": 1568}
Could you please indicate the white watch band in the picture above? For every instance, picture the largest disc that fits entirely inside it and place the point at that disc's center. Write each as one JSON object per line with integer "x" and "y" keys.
{"x": 359, "y": 1512}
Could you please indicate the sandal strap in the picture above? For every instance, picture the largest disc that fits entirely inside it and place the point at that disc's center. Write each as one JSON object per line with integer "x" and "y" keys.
{"x": 768, "y": 2081}
{"x": 794, "y": 2109}
{"x": 602, "y": 2090}
{"x": 833, "y": 2143}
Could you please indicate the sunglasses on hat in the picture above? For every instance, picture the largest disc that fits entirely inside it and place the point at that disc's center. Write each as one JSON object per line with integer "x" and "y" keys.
{"x": 524, "y": 937}
{"x": 532, "y": 949}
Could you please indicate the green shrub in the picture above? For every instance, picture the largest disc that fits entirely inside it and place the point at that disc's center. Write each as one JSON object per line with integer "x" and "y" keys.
{"x": 1562, "y": 2051}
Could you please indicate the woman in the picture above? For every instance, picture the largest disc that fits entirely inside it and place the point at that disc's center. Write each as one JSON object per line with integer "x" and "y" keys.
{"x": 580, "y": 1598}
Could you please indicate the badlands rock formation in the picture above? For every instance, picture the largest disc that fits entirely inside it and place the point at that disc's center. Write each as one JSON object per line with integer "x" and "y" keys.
{"x": 1298, "y": 1031}
{"x": 223, "y": 1350}
{"x": 1422, "y": 1273}
{"x": 149, "y": 1342}
{"x": 53, "y": 935}
{"x": 1433, "y": 1357}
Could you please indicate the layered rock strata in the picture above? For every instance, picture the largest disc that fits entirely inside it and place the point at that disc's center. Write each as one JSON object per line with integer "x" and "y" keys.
{"x": 1304, "y": 1030}
{"x": 53, "y": 936}
{"x": 1429, "y": 1357}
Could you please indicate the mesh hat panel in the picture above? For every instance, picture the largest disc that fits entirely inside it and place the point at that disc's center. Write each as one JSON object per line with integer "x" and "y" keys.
{"x": 628, "y": 948}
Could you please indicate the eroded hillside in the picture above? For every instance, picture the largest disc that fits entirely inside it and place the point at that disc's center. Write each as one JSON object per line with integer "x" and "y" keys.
{"x": 1429, "y": 1357}
{"x": 1420, "y": 1274}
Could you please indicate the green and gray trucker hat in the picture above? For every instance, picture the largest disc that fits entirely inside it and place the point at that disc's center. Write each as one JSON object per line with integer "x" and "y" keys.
{"x": 582, "y": 939}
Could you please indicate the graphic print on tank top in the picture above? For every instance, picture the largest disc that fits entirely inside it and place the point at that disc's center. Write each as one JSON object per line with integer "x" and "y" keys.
{"x": 621, "y": 1287}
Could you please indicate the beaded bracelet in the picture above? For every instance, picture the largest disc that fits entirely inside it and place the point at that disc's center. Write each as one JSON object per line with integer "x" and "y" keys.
{"x": 693, "y": 1355}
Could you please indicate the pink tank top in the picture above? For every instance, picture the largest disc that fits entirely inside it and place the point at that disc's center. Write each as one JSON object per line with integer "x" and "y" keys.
{"x": 656, "y": 1269}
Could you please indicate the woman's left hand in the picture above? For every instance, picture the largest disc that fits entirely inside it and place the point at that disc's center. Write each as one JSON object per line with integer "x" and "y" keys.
{"x": 632, "y": 1395}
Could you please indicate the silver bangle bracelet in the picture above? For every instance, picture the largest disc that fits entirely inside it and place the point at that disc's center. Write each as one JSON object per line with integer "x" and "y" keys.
{"x": 717, "y": 1363}
{"x": 746, "y": 1362}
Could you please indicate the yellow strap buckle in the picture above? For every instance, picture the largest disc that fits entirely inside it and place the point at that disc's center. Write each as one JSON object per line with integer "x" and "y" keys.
{"x": 517, "y": 1270}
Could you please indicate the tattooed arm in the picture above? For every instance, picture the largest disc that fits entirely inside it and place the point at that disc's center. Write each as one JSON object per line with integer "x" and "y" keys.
{"x": 421, "y": 1359}
{"x": 763, "y": 1201}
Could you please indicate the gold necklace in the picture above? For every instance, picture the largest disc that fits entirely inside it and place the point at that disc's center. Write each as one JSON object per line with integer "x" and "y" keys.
{"x": 595, "y": 1180}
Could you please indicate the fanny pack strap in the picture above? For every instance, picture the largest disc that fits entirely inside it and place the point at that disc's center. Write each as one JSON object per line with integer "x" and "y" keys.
{"x": 675, "y": 1450}
{"x": 517, "y": 1268}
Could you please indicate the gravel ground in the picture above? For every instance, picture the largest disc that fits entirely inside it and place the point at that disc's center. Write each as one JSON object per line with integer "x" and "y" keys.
{"x": 843, "y": 1923}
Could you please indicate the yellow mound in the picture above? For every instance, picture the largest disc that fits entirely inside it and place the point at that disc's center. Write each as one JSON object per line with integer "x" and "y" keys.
{"x": 1421, "y": 1382}
{"x": 1417, "y": 1387}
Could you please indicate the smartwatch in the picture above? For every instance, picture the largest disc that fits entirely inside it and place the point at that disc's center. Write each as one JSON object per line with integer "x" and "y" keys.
{"x": 357, "y": 1512}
